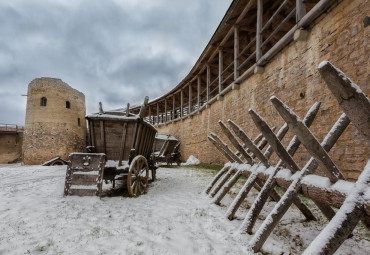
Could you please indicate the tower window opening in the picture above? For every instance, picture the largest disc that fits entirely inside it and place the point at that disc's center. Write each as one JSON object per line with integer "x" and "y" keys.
{"x": 79, "y": 122}
{"x": 43, "y": 101}
{"x": 68, "y": 104}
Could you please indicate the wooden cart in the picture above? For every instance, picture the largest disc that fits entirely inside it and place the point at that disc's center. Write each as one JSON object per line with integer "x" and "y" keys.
{"x": 120, "y": 149}
{"x": 166, "y": 148}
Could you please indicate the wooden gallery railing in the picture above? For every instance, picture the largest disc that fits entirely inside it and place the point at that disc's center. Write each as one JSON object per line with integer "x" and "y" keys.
{"x": 249, "y": 36}
{"x": 252, "y": 163}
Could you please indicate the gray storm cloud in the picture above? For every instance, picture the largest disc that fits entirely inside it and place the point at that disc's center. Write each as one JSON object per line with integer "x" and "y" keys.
{"x": 112, "y": 51}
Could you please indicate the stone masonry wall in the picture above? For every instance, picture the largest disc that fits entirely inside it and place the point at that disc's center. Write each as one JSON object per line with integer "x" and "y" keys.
{"x": 10, "y": 147}
{"x": 338, "y": 36}
{"x": 53, "y": 130}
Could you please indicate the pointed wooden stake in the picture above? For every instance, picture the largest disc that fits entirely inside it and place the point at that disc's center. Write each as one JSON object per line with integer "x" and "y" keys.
{"x": 345, "y": 220}
{"x": 223, "y": 181}
{"x": 217, "y": 199}
{"x": 219, "y": 148}
{"x": 269, "y": 185}
{"x": 226, "y": 148}
{"x": 308, "y": 140}
{"x": 248, "y": 142}
{"x": 216, "y": 178}
{"x": 350, "y": 97}
{"x": 280, "y": 135}
{"x": 235, "y": 143}
{"x": 285, "y": 202}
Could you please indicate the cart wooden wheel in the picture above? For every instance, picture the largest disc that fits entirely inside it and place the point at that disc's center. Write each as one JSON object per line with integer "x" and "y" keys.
{"x": 137, "y": 178}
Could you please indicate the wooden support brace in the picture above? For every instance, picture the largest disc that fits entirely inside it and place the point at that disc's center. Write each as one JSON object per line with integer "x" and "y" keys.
{"x": 283, "y": 205}
{"x": 350, "y": 97}
{"x": 235, "y": 143}
{"x": 223, "y": 181}
{"x": 219, "y": 148}
{"x": 216, "y": 178}
{"x": 217, "y": 199}
{"x": 280, "y": 135}
{"x": 248, "y": 142}
{"x": 226, "y": 148}
{"x": 308, "y": 140}
{"x": 345, "y": 220}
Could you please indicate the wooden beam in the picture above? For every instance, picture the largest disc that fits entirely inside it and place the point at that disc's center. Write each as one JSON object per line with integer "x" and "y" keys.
{"x": 208, "y": 80}
{"x": 173, "y": 106}
{"x": 157, "y": 113}
{"x": 300, "y": 9}
{"x": 283, "y": 205}
{"x": 190, "y": 98}
{"x": 182, "y": 103}
{"x": 236, "y": 143}
{"x": 308, "y": 140}
{"x": 259, "y": 29}
{"x": 216, "y": 178}
{"x": 165, "y": 110}
{"x": 236, "y": 53}
{"x": 220, "y": 69}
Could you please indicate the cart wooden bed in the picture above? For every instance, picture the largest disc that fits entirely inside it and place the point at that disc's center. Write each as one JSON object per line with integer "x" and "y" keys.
{"x": 120, "y": 149}
{"x": 166, "y": 148}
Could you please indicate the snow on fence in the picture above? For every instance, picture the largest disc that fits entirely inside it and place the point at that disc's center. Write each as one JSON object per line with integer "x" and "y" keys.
{"x": 326, "y": 192}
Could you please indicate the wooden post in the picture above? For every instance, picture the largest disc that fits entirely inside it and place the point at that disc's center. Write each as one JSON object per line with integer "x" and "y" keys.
{"x": 283, "y": 205}
{"x": 102, "y": 135}
{"x": 208, "y": 80}
{"x": 220, "y": 70}
{"x": 157, "y": 113}
{"x": 182, "y": 103}
{"x": 190, "y": 98}
{"x": 236, "y": 52}
{"x": 165, "y": 110}
{"x": 259, "y": 30}
{"x": 300, "y": 9}
{"x": 173, "y": 106}
{"x": 150, "y": 113}
{"x": 198, "y": 94}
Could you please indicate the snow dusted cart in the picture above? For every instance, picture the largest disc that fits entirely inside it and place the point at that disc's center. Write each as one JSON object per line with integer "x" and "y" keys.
{"x": 166, "y": 149}
{"x": 121, "y": 146}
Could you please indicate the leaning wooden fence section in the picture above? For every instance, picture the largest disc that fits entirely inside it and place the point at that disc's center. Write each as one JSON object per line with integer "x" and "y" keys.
{"x": 249, "y": 161}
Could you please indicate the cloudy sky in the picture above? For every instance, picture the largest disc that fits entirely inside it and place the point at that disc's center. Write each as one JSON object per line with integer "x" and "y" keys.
{"x": 114, "y": 51}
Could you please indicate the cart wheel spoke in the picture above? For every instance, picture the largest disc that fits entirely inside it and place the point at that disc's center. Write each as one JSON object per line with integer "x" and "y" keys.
{"x": 137, "y": 178}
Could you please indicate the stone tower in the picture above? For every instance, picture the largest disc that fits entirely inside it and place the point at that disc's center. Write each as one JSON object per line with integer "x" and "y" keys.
{"x": 55, "y": 121}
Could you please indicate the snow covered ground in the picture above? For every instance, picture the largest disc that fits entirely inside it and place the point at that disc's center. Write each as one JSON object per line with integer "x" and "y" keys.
{"x": 175, "y": 217}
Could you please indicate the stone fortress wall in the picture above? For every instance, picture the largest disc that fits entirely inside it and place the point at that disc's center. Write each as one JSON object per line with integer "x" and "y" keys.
{"x": 338, "y": 36}
{"x": 11, "y": 138}
{"x": 56, "y": 127}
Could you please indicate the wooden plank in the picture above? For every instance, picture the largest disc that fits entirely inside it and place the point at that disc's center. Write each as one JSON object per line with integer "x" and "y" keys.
{"x": 121, "y": 147}
{"x": 282, "y": 206}
{"x": 235, "y": 143}
{"x": 198, "y": 91}
{"x": 308, "y": 140}
{"x": 351, "y": 99}
{"x": 102, "y": 136}
{"x": 82, "y": 192}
